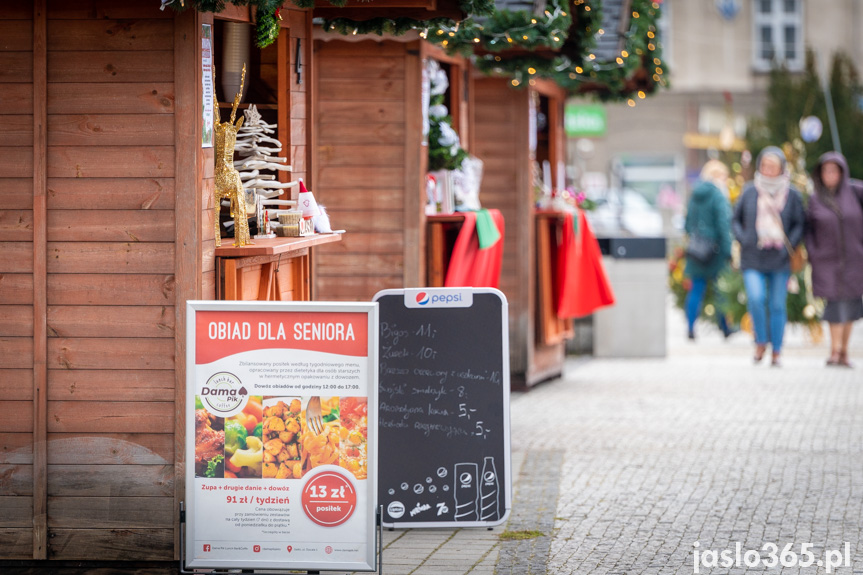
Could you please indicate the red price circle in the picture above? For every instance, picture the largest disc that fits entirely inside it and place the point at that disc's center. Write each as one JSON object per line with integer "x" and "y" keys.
{"x": 329, "y": 499}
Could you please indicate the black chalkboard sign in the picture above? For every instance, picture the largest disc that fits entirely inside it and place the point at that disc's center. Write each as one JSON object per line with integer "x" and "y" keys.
{"x": 443, "y": 412}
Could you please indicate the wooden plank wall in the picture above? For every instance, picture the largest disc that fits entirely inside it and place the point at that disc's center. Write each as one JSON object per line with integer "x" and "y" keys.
{"x": 299, "y": 96}
{"x": 16, "y": 280}
{"x": 361, "y": 156}
{"x": 111, "y": 229}
{"x": 109, "y": 303}
{"x": 500, "y": 140}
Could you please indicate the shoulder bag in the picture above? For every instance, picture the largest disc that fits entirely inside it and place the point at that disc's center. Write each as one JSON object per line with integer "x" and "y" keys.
{"x": 701, "y": 249}
{"x": 796, "y": 256}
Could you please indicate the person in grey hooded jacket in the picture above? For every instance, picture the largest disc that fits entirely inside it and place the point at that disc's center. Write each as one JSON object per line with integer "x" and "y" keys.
{"x": 768, "y": 222}
{"x": 834, "y": 242}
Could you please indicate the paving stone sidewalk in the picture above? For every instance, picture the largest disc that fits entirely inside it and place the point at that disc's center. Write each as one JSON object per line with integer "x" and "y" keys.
{"x": 625, "y": 464}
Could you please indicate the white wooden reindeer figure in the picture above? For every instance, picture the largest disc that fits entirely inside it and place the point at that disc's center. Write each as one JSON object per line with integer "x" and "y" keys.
{"x": 228, "y": 183}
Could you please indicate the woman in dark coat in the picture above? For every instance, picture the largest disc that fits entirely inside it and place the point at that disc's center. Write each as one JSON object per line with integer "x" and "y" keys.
{"x": 834, "y": 242}
{"x": 708, "y": 215}
{"x": 768, "y": 221}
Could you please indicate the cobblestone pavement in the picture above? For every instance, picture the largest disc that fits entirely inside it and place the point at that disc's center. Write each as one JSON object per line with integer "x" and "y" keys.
{"x": 624, "y": 464}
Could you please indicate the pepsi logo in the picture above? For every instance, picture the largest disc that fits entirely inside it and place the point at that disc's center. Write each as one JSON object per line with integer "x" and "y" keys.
{"x": 422, "y": 298}
{"x": 396, "y": 509}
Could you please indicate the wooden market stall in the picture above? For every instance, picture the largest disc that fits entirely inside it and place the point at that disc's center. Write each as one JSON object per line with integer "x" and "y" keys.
{"x": 517, "y": 125}
{"x": 512, "y": 150}
{"x": 106, "y": 230}
{"x": 371, "y": 166}
{"x": 371, "y": 161}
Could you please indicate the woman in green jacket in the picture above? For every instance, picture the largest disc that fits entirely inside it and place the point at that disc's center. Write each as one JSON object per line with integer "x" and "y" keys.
{"x": 708, "y": 215}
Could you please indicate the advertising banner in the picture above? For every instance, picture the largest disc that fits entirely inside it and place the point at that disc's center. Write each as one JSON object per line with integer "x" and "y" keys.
{"x": 443, "y": 407}
{"x": 281, "y": 454}
{"x": 585, "y": 120}
{"x": 207, "y": 102}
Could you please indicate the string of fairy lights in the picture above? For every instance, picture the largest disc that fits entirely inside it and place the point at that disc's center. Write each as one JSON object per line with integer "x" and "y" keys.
{"x": 505, "y": 29}
{"x": 635, "y": 71}
{"x": 556, "y": 44}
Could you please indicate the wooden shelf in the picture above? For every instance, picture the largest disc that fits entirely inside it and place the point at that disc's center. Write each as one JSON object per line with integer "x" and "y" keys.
{"x": 229, "y": 105}
{"x": 446, "y": 218}
{"x": 274, "y": 246}
{"x": 259, "y": 272}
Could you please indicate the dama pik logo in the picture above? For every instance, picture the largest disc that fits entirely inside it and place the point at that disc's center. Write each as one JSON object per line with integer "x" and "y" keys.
{"x": 422, "y": 298}
{"x": 223, "y": 394}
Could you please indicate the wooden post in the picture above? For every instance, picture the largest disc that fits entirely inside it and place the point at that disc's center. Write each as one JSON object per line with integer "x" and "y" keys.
{"x": 283, "y": 99}
{"x": 188, "y": 185}
{"x": 40, "y": 281}
{"x": 414, "y": 216}
{"x": 311, "y": 97}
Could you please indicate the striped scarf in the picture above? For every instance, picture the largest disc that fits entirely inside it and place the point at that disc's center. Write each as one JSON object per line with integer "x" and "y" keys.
{"x": 772, "y": 195}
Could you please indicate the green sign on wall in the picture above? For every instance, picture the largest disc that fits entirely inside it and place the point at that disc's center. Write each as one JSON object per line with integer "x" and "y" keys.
{"x": 584, "y": 120}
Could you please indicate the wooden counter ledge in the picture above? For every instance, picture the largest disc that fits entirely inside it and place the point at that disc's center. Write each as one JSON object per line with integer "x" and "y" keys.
{"x": 273, "y": 246}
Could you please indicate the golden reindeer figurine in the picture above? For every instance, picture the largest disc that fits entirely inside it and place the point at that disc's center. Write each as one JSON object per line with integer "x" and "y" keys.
{"x": 228, "y": 182}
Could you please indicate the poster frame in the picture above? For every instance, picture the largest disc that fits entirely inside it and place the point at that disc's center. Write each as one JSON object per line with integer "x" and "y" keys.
{"x": 369, "y": 526}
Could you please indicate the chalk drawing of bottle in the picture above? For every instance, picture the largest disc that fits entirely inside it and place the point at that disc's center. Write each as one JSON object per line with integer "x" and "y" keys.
{"x": 466, "y": 492}
{"x": 488, "y": 490}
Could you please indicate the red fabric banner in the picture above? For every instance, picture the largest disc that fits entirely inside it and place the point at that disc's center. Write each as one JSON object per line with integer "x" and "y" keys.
{"x": 582, "y": 286}
{"x": 470, "y": 266}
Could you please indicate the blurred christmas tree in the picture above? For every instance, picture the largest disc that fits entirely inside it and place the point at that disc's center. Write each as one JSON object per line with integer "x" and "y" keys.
{"x": 731, "y": 300}
{"x": 793, "y": 96}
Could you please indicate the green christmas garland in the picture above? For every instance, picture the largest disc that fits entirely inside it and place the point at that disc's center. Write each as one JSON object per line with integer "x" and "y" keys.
{"x": 634, "y": 73}
{"x": 400, "y": 26}
{"x": 267, "y": 15}
{"x": 267, "y": 11}
{"x": 568, "y": 29}
{"x": 440, "y": 157}
{"x": 380, "y": 26}
{"x": 501, "y": 30}
{"x": 505, "y": 29}
{"x": 443, "y": 154}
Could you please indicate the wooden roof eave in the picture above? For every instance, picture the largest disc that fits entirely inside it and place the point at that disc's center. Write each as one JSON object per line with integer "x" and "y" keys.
{"x": 435, "y": 52}
{"x": 548, "y": 88}
{"x": 416, "y": 9}
{"x": 246, "y": 14}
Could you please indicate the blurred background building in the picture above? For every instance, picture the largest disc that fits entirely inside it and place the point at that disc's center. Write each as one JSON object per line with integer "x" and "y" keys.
{"x": 638, "y": 159}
